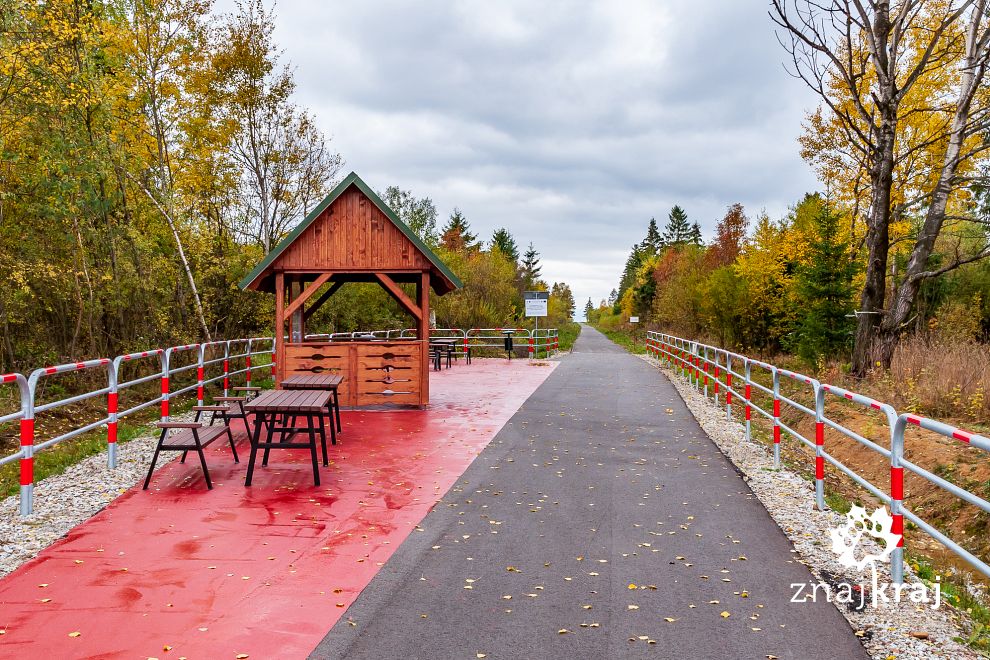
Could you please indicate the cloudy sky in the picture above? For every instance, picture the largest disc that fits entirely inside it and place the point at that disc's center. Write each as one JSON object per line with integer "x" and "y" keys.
{"x": 569, "y": 123}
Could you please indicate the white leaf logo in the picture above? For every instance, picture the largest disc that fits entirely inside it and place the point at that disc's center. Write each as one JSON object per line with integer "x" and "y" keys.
{"x": 846, "y": 539}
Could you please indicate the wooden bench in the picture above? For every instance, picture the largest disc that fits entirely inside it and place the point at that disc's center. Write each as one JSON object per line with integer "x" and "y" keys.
{"x": 191, "y": 436}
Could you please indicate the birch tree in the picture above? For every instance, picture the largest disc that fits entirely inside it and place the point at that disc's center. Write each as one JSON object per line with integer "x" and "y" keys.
{"x": 902, "y": 91}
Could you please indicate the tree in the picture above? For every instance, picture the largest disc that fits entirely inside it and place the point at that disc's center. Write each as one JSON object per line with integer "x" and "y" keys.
{"x": 419, "y": 214}
{"x": 653, "y": 242}
{"x": 695, "y": 236}
{"x": 730, "y": 235}
{"x": 286, "y": 162}
{"x": 503, "y": 241}
{"x": 825, "y": 294}
{"x": 678, "y": 229}
{"x": 530, "y": 271}
{"x": 633, "y": 263}
{"x": 613, "y": 297}
{"x": 902, "y": 100}
{"x": 588, "y": 309}
{"x": 561, "y": 304}
{"x": 457, "y": 233}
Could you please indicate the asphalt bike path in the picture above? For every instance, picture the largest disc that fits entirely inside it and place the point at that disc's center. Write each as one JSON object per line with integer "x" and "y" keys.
{"x": 601, "y": 522}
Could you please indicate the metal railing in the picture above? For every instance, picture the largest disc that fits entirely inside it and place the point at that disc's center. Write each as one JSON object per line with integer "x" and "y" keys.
{"x": 215, "y": 356}
{"x": 698, "y": 362}
{"x": 209, "y": 363}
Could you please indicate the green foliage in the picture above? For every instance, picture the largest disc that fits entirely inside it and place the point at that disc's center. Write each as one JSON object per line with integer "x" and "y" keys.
{"x": 457, "y": 233}
{"x": 504, "y": 241}
{"x": 678, "y": 229}
{"x": 419, "y": 214}
{"x": 531, "y": 268}
{"x": 824, "y": 293}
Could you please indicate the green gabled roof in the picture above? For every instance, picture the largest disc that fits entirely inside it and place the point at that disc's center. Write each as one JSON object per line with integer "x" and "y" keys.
{"x": 351, "y": 179}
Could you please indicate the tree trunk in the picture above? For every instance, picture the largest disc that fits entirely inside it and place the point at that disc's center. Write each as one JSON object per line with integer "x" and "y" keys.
{"x": 870, "y": 312}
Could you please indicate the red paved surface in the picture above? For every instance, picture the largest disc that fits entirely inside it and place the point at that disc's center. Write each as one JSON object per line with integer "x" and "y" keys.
{"x": 263, "y": 571}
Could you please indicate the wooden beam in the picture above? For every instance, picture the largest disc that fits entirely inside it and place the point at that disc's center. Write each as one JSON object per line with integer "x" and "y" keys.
{"x": 306, "y": 294}
{"x": 400, "y": 295}
{"x": 322, "y": 299}
{"x": 423, "y": 295}
{"x": 279, "y": 328}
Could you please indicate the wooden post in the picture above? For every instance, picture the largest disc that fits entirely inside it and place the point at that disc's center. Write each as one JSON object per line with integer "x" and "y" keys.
{"x": 279, "y": 328}
{"x": 423, "y": 295}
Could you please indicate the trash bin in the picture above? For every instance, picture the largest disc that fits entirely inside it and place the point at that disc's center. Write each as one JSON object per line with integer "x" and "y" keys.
{"x": 508, "y": 342}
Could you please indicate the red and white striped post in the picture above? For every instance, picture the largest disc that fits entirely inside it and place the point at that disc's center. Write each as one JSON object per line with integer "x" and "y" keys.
{"x": 200, "y": 370}
{"x": 26, "y": 438}
{"x": 748, "y": 395}
{"x": 706, "y": 374}
{"x": 717, "y": 375}
{"x": 112, "y": 414}
{"x": 531, "y": 346}
{"x": 776, "y": 418}
{"x": 728, "y": 386}
{"x": 819, "y": 455}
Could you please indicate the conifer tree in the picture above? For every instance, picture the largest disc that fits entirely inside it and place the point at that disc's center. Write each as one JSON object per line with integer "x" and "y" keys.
{"x": 505, "y": 243}
{"x": 653, "y": 243}
{"x": 530, "y": 268}
{"x": 825, "y": 292}
{"x": 588, "y": 309}
{"x": 457, "y": 233}
{"x": 695, "y": 237}
{"x": 678, "y": 229}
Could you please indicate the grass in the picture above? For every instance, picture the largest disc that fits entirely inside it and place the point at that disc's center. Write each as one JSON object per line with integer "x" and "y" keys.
{"x": 627, "y": 340}
{"x": 955, "y": 593}
{"x": 567, "y": 334}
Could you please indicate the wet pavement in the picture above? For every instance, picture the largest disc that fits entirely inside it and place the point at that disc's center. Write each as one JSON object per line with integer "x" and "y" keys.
{"x": 262, "y": 572}
{"x": 601, "y": 522}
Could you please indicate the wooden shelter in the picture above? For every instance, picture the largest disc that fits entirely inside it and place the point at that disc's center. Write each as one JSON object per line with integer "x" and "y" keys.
{"x": 353, "y": 236}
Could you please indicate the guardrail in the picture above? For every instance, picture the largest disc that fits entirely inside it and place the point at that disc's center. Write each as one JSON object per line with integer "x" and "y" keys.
{"x": 215, "y": 362}
{"x": 215, "y": 355}
{"x": 696, "y": 362}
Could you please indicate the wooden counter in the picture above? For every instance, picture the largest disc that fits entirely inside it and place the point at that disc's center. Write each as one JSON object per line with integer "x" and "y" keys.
{"x": 375, "y": 372}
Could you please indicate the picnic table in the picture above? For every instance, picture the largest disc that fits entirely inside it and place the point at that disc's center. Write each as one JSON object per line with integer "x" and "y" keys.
{"x": 278, "y": 411}
{"x": 329, "y": 382}
{"x": 443, "y": 345}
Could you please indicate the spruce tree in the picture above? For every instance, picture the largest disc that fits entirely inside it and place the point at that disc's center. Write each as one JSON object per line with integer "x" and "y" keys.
{"x": 695, "y": 237}
{"x": 633, "y": 262}
{"x": 505, "y": 243}
{"x": 825, "y": 292}
{"x": 678, "y": 229}
{"x": 588, "y": 309}
{"x": 457, "y": 233}
{"x": 653, "y": 243}
{"x": 530, "y": 268}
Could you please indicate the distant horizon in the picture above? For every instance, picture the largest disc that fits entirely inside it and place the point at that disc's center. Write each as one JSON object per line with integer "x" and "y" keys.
{"x": 569, "y": 126}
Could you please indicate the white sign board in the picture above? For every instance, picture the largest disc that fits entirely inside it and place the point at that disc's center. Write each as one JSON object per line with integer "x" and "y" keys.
{"x": 536, "y": 302}
{"x": 634, "y": 319}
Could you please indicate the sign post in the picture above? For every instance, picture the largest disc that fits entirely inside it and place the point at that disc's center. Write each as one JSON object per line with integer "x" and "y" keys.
{"x": 536, "y": 306}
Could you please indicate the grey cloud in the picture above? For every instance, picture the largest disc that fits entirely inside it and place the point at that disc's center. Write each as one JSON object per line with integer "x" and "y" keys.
{"x": 569, "y": 123}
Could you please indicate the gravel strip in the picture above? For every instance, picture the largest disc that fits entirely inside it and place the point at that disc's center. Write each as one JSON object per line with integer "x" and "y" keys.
{"x": 65, "y": 500}
{"x": 790, "y": 500}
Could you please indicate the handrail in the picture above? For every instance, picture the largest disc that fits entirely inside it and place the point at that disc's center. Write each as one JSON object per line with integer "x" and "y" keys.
{"x": 695, "y": 362}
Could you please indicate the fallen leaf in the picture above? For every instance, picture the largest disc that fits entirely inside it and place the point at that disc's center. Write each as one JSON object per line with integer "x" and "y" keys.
{"x": 669, "y": 619}
{"x": 563, "y": 631}
{"x": 75, "y": 634}
{"x": 725, "y": 615}
{"x": 631, "y": 586}
{"x": 632, "y": 607}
